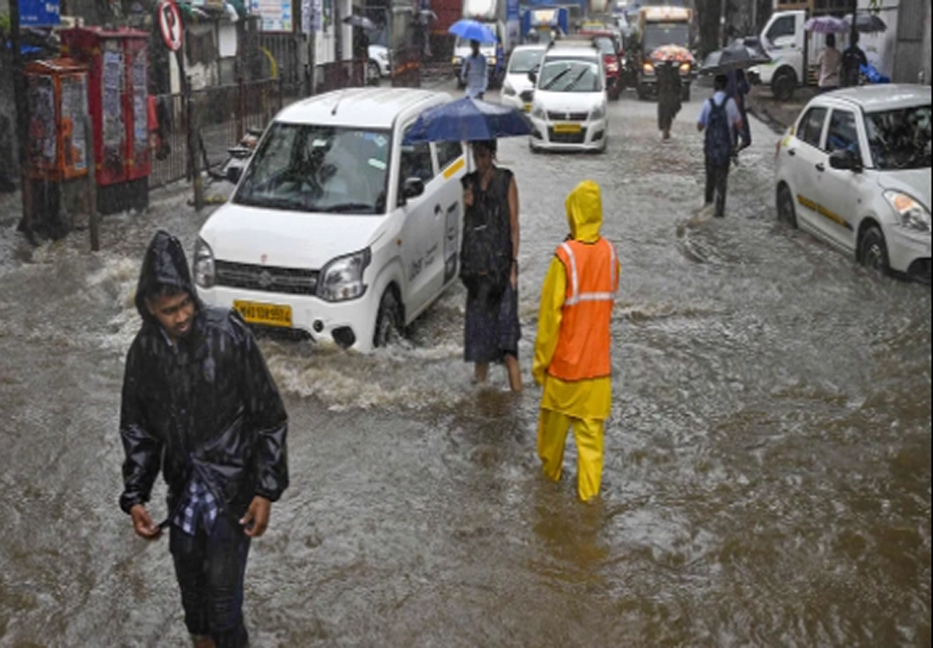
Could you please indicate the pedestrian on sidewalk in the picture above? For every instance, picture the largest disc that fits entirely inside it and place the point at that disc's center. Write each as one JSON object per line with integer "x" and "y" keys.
{"x": 853, "y": 58}
{"x": 670, "y": 91}
{"x": 720, "y": 118}
{"x": 572, "y": 351}
{"x": 829, "y": 62}
{"x": 475, "y": 72}
{"x": 489, "y": 266}
{"x": 200, "y": 406}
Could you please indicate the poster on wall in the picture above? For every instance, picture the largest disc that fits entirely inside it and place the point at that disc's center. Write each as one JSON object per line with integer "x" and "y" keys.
{"x": 43, "y": 145}
{"x": 74, "y": 111}
{"x": 276, "y": 15}
{"x": 140, "y": 103}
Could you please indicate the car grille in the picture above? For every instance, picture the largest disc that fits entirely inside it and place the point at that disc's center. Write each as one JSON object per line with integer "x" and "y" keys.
{"x": 568, "y": 116}
{"x": 265, "y": 279}
{"x": 566, "y": 138}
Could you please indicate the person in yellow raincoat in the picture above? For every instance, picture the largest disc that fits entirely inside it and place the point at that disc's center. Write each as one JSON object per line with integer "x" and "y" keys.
{"x": 572, "y": 351}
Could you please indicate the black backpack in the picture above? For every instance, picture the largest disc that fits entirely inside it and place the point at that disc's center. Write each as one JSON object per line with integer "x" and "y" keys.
{"x": 718, "y": 135}
{"x": 486, "y": 251}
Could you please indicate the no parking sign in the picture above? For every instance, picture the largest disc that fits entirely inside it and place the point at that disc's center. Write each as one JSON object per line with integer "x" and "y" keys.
{"x": 170, "y": 24}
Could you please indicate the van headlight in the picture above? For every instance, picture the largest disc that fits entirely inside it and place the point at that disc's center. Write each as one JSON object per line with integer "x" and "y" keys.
{"x": 647, "y": 68}
{"x": 204, "y": 273}
{"x": 910, "y": 213}
{"x": 508, "y": 90}
{"x": 538, "y": 112}
{"x": 342, "y": 278}
{"x": 598, "y": 113}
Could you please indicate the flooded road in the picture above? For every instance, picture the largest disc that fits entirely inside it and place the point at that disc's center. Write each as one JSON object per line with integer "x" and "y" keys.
{"x": 767, "y": 477}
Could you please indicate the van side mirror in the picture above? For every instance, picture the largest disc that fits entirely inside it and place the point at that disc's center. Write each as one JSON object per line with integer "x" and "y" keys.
{"x": 413, "y": 188}
{"x": 845, "y": 160}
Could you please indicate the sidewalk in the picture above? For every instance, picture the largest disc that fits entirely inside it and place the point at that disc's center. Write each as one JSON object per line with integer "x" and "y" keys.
{"x": 778, "y": 115}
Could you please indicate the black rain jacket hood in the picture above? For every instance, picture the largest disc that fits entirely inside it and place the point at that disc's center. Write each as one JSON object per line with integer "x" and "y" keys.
{"x": 206, "y": 406}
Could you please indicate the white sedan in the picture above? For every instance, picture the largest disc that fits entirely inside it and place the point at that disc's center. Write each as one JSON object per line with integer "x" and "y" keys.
{"x": 855, "y": 171}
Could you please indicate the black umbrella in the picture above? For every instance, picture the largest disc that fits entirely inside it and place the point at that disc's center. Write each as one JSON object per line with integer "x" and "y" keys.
{"x": 867, "y": 23}
{"x": 355, "y": 20}
{"x": 736, "y": 55}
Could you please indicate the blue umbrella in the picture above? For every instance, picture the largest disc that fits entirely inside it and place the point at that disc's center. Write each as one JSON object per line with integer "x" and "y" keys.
{"x": 468, "y": 120}
{"x": 473, "y": 30}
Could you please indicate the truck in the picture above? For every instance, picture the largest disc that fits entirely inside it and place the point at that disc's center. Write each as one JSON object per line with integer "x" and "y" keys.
{"x": 659, "y": 26}
{"x": 539, "y": 23}
{"x": 503, "y": 19}
{"x": 794, "y": 50}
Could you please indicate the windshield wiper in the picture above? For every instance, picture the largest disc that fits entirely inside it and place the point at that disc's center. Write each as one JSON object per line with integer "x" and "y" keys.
{"x": 345, "y": 208}
{"x": 576, "y": 80}
{"x": 559, "y": 76}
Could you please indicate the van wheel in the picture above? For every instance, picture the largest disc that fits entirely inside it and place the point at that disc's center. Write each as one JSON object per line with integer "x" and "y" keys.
{"x": 873, "y": 252}
{"x": 388, "y": 320}
{"x": 783, "y": 84}
{"x": 785, "y": 206}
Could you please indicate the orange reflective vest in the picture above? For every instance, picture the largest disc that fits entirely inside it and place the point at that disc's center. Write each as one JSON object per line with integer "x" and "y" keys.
{"x": 592, "y": 281}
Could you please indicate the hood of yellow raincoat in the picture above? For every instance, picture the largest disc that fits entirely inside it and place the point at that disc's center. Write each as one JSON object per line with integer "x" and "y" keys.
{"x": 585, "y": 212}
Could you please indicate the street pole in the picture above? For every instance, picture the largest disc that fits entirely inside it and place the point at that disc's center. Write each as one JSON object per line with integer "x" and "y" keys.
{"x": 22, "y": 120}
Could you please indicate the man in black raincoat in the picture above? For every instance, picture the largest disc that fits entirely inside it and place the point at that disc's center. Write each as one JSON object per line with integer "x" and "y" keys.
{"x": 199, "y": 405}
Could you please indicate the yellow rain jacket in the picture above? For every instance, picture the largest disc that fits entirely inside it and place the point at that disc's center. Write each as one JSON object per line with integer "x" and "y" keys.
{"x": 589, "y": 399}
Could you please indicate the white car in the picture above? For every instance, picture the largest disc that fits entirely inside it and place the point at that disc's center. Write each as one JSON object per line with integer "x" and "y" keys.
{"x": 570, "y": 108}
{"x": 855, "y": 171}
{"x": 518, "y": 88}
{"x": 379, "y": 65}
{"x": 337, "y": 229}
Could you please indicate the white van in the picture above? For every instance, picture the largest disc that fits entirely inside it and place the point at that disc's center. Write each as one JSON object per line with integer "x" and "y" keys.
{"x": 336, "y": 228}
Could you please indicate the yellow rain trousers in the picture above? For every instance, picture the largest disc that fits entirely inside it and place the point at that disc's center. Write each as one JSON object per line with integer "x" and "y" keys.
{"x": 583, "y": 405}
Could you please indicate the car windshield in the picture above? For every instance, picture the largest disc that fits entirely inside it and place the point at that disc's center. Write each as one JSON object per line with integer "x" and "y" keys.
{"x": 605, "y": 44}
{"x": 899, "y": 139}
{"x": 524, "y": 61}
{"x": 660, "y": 34}
{"x": 315, "y": 168}
{"x": 570, "y": 75}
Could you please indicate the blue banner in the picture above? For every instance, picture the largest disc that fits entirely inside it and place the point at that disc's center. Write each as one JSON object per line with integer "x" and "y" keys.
{"x": 39, "y": 13}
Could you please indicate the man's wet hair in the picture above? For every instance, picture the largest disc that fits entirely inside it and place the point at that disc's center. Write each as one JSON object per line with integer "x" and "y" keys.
{"x": 721, "y": 82}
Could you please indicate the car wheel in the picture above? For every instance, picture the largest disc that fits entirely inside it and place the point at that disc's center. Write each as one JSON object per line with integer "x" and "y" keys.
{"x": 787, "y": 213}
{"x": 783, "y": 84}
{"x": 388, "y": 320}
{"x": 873, "y": 252}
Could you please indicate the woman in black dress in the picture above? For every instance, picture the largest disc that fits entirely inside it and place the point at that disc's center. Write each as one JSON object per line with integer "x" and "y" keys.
{"x": 490, "y": 266}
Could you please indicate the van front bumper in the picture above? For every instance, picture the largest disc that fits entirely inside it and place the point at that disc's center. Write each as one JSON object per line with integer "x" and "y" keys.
{"x": 578, "y": 136}
{"x": 349, "y": 324}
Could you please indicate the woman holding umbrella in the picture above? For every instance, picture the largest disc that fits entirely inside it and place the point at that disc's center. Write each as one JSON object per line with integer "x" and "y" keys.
{"x": 489, "y": 266}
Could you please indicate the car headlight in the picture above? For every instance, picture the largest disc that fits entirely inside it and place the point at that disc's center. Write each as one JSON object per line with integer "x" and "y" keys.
{"x": 685, "y": 68}
{"x": 538, "y": 112}
{"x": 508, "y": 90}
{"x": 204, "y": 273}
{"x": 598, "y": 112}
{"x": 342, "y": 278}
{"x": 647, "y": 68}
{"x": 911, "y": 214}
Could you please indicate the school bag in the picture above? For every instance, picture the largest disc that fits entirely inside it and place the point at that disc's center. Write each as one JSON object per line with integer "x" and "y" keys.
{"x": 718, "y": 134}
{"x": 486, "y": 250}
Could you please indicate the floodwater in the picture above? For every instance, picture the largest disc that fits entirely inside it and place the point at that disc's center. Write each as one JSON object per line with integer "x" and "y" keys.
{"x": 767, "y": 477}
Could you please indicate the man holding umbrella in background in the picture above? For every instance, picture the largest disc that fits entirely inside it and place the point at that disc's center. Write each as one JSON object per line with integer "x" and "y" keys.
{"x": 475, "y": 72}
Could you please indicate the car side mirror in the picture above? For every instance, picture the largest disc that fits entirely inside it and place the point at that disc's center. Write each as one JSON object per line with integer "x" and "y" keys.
{"x": 234, "y": 173}
{"x": 413, "y": 188}
{"x": 845, "y": 160}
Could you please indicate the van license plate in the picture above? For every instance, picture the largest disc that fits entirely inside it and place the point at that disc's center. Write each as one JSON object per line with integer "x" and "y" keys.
{"x": 266, "y": 314}
{"x": 567, "y": 128}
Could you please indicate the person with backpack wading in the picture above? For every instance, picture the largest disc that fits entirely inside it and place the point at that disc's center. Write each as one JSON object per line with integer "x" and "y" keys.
{"x": 489, "y": 266}
{"x": 720, "y": 118}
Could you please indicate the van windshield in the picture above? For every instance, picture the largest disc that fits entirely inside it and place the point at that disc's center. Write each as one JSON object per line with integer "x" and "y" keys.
{"x": 315, "y": 168}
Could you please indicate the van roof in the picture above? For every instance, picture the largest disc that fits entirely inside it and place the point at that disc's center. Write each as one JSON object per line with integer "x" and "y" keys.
{"x": 375, "y": 108}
